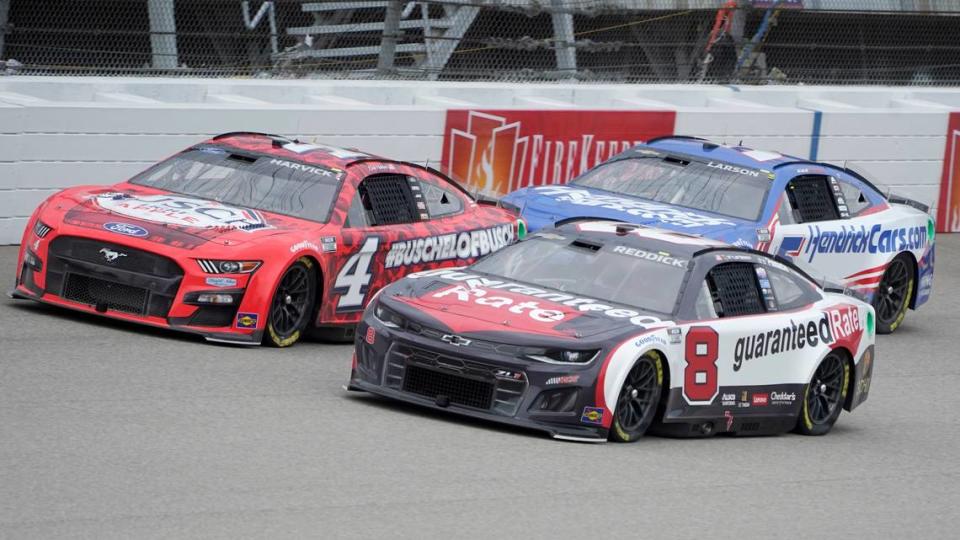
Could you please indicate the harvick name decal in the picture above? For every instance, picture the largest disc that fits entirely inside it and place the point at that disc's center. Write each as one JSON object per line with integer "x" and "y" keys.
{"x": 853, "y": 239}
{"x": 634, "y": 207}
{"x": 449, "y": 246}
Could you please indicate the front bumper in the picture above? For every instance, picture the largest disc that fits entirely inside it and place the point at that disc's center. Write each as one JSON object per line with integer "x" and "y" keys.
{"x": 481, "y": 380}
{"x": 143, "y": 286}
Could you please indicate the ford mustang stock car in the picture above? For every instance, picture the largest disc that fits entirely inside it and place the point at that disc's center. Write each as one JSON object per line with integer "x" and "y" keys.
{"x": 673, "y": 333}
{"x": 830, "y": 221}
{"x": 249, "y": 235}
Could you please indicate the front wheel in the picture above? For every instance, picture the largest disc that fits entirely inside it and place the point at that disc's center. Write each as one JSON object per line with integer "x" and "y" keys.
{"x": 638, "y": 399}
{"x": 893, "y": 294}
{"x": 292, "y": 304}
{"x": 824, "y": 395}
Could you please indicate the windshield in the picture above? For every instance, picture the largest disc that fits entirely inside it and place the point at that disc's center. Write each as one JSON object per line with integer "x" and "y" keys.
{"x": 716, "y": 187}
{"x": 261, "y": 183}
{"x": 613, "y": 272}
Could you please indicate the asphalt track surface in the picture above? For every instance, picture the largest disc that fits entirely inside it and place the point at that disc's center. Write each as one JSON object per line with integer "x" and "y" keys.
{"x": 109, "y": 430}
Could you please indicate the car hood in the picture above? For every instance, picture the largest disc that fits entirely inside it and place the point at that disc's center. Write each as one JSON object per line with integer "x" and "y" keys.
{"x": 545, "y": 205}
{"x": 472, "y": 304}
{"x": 167, "y": 218}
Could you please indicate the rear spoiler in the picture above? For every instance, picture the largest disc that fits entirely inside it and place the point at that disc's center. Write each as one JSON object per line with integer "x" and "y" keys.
{"x": 900, "y": 199}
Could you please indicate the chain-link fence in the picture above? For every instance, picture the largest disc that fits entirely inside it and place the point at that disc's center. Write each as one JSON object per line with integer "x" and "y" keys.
{"x": 715, "y": 41}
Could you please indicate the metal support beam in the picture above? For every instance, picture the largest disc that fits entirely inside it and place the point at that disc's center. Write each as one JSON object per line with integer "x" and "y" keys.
{"x": 163, "y": 34}
{"x": 4, "y": 10}
{"x": 388, "y": 43}
{"x": 563, "y": 40}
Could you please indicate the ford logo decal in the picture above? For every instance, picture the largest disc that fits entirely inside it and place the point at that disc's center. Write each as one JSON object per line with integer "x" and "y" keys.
{"x": 126, "y": 228}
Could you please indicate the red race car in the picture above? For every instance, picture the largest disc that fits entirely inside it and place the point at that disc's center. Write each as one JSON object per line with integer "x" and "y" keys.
{"x": 249, "y": 234}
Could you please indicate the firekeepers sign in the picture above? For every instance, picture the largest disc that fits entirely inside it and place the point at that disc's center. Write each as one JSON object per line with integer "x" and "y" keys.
{"x": 948, "y": 209}
{"x": 496, "y": 152}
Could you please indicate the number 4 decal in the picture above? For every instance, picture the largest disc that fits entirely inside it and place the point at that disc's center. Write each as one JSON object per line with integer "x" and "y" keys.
{"x": 354, "y": 278}
{"x": 700, "y": 375}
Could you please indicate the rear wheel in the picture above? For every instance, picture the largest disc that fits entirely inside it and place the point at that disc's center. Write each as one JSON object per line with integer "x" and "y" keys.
{"x": 824, "y": 395}
{"x": 292, "y": 304}
{"x": 893, "y": 294}
{"x": 638, "y": 399}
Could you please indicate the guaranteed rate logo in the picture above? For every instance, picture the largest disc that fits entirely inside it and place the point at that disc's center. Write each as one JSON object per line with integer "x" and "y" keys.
{"x": 789, "y": 338}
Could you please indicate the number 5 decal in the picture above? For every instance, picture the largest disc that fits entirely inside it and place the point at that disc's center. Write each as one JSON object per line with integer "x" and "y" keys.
{"x": 354, "y": 278}
{"x": 700, "y": 375}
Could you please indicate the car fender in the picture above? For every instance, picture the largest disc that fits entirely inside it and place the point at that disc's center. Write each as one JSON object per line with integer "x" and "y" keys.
{"x": 620, "y": 360}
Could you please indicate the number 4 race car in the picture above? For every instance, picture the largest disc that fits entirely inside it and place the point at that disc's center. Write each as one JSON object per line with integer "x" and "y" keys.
{"x": 689, "y": 337}
{"x": 247, "y": 235}
{"x": 831, "y": 221}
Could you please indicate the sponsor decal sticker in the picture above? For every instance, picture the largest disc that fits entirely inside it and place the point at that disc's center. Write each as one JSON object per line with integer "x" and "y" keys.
{"x": 305, "y": 244}
{"x": 485, "y": 292}
{"x": 782, "y": 398}
{"x": 852, "y": 239}
{"x": 781, "y": 340}
{"x": 592, "y": 415}
{"x": 329, "y": 244}
{"x": 183, "y": 211}
{"x": 247, "y": 320}
{"x": 221, "y": 282}
{"x": 633, "y": 207}
{"x": 760, "y": 400}
{"x": 464, "y": 245}
{"x": 728, "y": 399}
{"x": 563, "y": 379}
{"x": 126, "y": 228}
{"x": 646, "y": 340}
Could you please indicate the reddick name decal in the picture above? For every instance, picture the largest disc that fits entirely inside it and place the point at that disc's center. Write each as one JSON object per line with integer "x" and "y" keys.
{"x": 445, "y": 247}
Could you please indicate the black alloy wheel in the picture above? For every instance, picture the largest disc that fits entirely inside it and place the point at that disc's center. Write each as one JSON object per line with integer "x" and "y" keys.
{"x": 292, "y": 304}
{"x": 893, "y": 295}
{"x": 824, "y": 395}
{"x": 638, "y": 399}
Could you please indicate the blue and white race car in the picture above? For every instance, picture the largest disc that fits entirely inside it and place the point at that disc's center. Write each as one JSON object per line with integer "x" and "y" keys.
{"x": 830, "y": 221}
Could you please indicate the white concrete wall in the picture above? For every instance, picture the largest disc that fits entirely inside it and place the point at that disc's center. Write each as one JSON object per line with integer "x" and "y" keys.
{"x": 59, "y": 132}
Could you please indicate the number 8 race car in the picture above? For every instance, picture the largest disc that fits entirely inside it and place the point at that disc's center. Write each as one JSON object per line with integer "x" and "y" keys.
{"x": 686, "y": 336}
{"x": 830, "y": 221}
{"x": 247, "y": 235}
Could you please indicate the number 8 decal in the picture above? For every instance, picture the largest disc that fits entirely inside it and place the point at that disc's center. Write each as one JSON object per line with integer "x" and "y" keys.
{"x": 700, "y": 375}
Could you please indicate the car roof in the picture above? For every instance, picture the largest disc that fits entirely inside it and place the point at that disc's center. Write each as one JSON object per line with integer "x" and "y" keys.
{"x": 304, "y": 152}
{"x": 736, "y": 155}
{"x": 637, "y": 236}
{"x": 660, "y": 240}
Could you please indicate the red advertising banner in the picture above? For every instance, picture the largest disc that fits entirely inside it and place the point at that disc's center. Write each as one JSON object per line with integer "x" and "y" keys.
{"x": 948, "y": 209}
{"x": 495, "y": 152}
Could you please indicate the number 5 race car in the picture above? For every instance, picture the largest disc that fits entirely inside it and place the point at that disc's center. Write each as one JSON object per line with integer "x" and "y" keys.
{"x": 831, "y": 221}
{"x": 247, "y": 235}
{"x": 689, "y": 337}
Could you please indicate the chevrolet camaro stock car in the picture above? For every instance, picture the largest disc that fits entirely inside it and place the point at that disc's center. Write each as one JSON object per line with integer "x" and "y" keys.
{"x": 249, "y": 235}
{"x": 673, "y": 333}
{"x": 830, "y": 221}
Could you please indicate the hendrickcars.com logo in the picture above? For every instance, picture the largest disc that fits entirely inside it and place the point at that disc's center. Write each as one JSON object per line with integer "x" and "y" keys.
{"x": 499, "y": 151}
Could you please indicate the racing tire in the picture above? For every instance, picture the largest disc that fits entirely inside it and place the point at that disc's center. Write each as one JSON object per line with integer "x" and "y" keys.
{"x": 824, "y": 395}
{"x": 893, "y": 294}
{"x": 292, "y": 305}
{"x": 638, "y": 400}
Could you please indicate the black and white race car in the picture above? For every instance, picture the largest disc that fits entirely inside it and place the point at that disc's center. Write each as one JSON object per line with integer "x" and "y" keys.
{"x": 600, "y": 330}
